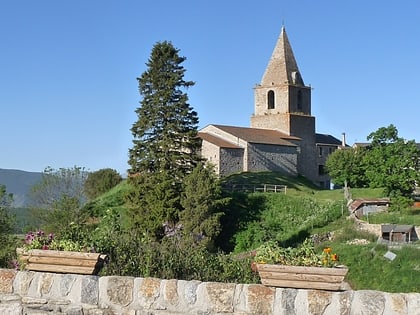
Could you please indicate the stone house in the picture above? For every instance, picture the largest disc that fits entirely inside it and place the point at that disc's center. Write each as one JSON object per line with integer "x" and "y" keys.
{"x": 282, "y": 134}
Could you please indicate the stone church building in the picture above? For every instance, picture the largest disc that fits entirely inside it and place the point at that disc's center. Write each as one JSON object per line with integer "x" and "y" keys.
{"x": 282, "y": 135}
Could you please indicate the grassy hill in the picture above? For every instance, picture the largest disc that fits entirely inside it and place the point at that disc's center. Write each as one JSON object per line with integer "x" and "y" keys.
{"x": 306, "y": 210}
{"x": 356, "y": 248}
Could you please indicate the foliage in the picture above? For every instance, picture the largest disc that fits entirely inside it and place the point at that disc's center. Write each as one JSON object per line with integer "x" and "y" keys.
{"x": 202, "y": 204}
{"x": 101, "y": 181}
{"x": 165, "y": 145}
{"x": 58, "y": 198}
{"x": 174, "y": 258}
{"x": 115, "y": 198}
{"x": 40, "y": 240}
{"x": 55, "y": 184}
{"x": 284, "y": 219}
{"x": 153, "y": 201}
{"x": 345, "y": 166}
{"x": 165, "y": 134}
{"x": 303, "y": 255}
{"x": 388, "y": 162}
{"x": 392, "y": 162}
{"x": 7, "y": 224}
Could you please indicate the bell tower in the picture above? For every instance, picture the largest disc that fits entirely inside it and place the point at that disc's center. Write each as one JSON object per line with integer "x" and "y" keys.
{"x": 283, "y": 102}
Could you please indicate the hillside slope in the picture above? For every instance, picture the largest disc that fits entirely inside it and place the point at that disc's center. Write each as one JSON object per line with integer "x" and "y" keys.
{"x": 19, "y": 184}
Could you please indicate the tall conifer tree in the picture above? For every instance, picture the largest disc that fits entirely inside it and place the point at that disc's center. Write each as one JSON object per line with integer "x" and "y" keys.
{"x": 165, "y": 145}
{"x": 165, "y": 134}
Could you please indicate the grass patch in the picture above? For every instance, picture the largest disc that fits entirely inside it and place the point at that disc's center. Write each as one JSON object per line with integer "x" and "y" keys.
{"x": 370, "y": 270}
{"x": 404, "y": 217}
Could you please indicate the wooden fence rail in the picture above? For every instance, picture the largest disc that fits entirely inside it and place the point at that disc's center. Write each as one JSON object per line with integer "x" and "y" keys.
{"x": 256, "y": 188}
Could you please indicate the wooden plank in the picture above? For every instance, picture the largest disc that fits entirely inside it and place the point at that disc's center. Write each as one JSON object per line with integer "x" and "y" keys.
{"x": 60, "y": 254}
{"x": 62, "y": 261}
{"x": 301, "y": 277}
{"x": 60, "y": 268}
{"x": 301, "y": 284}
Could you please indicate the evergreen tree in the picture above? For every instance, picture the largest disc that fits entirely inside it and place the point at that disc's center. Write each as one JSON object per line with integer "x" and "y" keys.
{"x": 153, "y": 202}
{"x": 203, "y": 204}
{"x": 165, "y": 145}
{"x": 165, "y": 134}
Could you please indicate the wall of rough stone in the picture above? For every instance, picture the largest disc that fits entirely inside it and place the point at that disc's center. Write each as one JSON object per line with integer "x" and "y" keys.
{"x": 30, "y": 293}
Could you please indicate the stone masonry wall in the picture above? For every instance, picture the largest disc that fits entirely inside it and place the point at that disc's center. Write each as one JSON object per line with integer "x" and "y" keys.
{"x": 36, "y": 293}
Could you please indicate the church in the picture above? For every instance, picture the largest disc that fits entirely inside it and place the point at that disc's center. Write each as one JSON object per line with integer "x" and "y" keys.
{"x": 282, "y": 136}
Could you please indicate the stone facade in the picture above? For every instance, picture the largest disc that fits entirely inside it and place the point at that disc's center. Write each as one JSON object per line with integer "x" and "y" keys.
{"x": 265, "y": 157}
{"x": 30, "y": 293}
{"x": 237, "y": 149}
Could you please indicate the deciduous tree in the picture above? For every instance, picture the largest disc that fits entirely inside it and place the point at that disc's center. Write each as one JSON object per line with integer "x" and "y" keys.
{"x": 59, "y": 196}
{"x": 392, "y": 162}
{"x": 345, "y": 167}
{"x": 101, "y": 181}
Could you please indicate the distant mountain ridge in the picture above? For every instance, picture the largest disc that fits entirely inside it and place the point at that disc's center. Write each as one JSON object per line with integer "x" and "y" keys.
{"x": 19, "y": 183}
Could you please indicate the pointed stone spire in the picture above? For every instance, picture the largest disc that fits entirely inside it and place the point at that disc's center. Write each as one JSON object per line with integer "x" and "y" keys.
{"x": 282, "y": 67}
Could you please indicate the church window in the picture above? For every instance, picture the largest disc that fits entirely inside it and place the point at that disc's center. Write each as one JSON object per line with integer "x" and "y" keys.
{"x": 321, "y": 170}
{"x": 299, "y": 100}
{"x": 320, "y": 151}
{"x": 270, "y": 99}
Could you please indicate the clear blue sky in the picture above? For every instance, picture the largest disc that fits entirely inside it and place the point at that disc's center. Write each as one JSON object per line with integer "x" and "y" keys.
{"x": 68, "y": 69}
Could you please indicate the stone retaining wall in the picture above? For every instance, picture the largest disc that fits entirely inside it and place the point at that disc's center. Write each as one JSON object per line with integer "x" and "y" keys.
{"x": 30, "y": 293}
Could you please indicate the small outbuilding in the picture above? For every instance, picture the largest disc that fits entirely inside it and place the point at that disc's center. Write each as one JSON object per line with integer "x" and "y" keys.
{"x": 363, "y": 207}
{"x": 396, "y": 233}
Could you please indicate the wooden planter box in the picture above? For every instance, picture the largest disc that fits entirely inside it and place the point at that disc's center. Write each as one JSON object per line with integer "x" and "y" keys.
{"x": 302, "y": 277}
{"x": 61, "y": 261}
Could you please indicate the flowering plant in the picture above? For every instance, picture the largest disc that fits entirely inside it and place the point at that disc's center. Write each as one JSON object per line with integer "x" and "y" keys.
{"x": 40, "y": 240}
{"x": 303, "y": 255}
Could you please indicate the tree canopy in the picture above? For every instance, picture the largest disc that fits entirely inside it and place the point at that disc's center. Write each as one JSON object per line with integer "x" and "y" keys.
{"x": 101, "y": 181}
{"x": 58, "y": 198}
{"x": 388, "y": 162}
{"x": 392, "y": 162}
{"x": 345, "y": 167}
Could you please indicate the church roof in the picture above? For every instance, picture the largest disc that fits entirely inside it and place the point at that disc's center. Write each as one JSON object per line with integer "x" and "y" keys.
{"x": 326, "y": 139}
{"x": 256, "y": 135}
{"x": 282, "y": 67}
{"x": 217, "y": 141}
